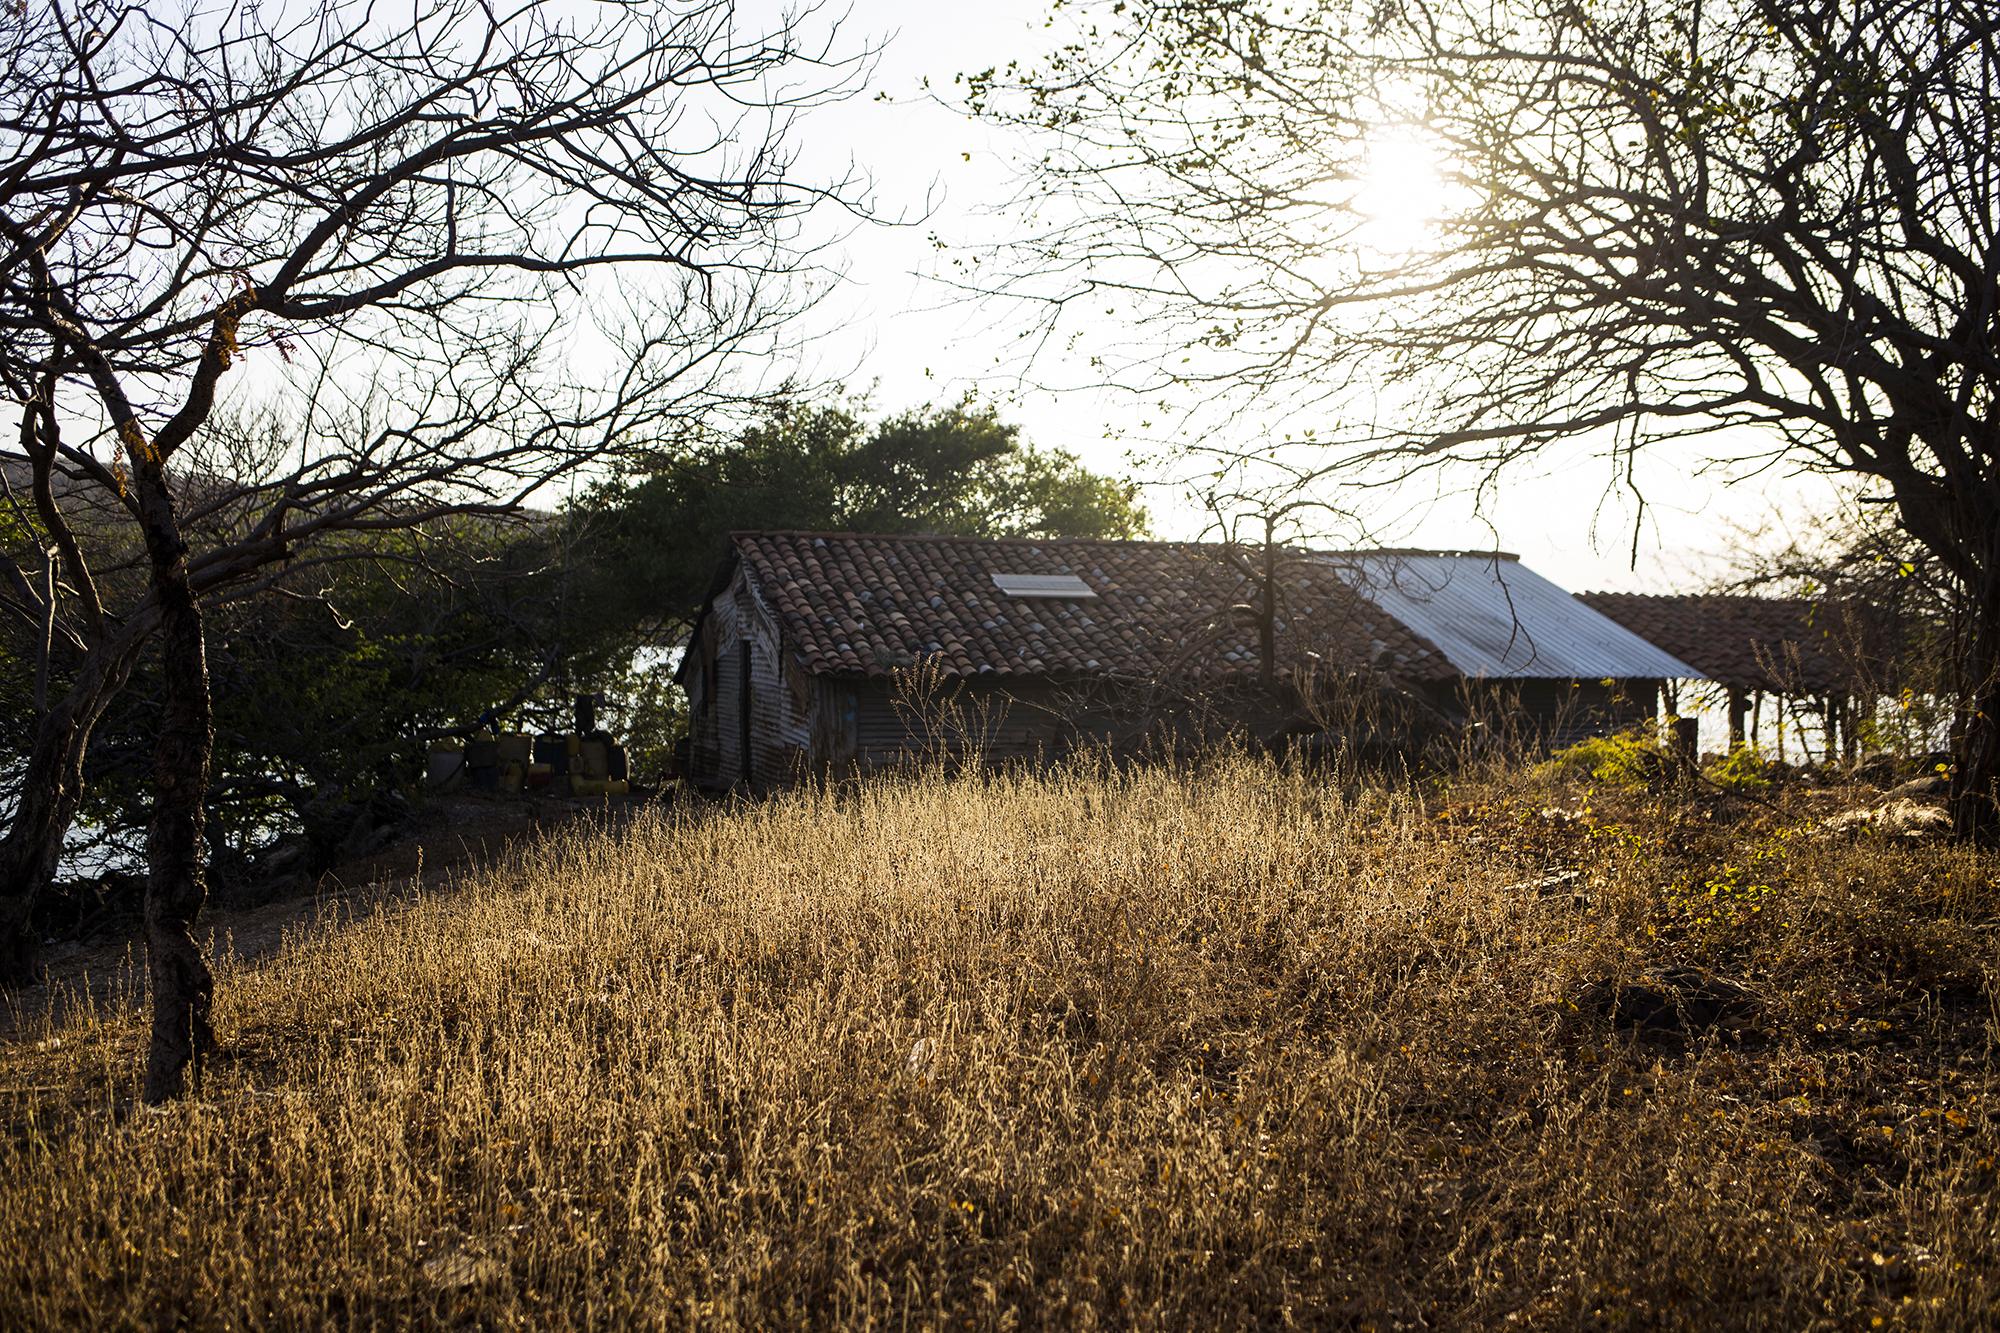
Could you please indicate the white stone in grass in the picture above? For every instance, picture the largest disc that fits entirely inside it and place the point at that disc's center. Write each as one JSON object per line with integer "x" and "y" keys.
{"x": 455, "y": 1270}
{"x": 1894, "y": 819}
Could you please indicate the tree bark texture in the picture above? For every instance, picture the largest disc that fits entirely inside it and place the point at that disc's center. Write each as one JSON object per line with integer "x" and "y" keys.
{"x": 181, "y": 987}
{"x": 1975, "y": 785}
{"x": 176, "y": 887}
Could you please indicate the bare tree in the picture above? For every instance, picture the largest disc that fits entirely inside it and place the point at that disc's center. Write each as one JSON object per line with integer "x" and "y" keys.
{"x": 393, "y": 221}
{"x": 1658, "y": 222}
{"x": 1882, "y": 608}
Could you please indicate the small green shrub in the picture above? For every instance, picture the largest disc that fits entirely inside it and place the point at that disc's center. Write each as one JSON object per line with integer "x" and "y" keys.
{"x": 1623, "y": 759}
{"x": 1742, "y": 769}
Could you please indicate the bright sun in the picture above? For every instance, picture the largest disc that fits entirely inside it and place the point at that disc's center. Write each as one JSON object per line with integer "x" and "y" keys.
{"x": 1402, "y": 193}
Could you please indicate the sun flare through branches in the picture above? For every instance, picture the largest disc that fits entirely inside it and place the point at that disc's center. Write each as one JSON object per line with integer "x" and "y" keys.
{"x": 1402, "y": 191}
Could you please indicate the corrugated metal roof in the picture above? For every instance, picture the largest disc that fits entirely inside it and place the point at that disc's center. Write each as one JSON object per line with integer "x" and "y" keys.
{"x": 1492, "y": 616}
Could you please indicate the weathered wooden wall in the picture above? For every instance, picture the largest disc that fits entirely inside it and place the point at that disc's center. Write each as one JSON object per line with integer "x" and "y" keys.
{"x": 894, "y": 726}
{"x": 739, "y": 632}
{"x": 1555, "y": 713}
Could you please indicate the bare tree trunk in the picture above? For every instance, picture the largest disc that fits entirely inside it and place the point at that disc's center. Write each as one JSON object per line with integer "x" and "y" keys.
{"x": 182, "y": 986}
{"x": 1975, "y": 783}
{"x": 51, "y": 789}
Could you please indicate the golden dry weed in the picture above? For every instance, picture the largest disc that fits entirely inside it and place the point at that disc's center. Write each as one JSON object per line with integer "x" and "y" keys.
{"x": 1177, "y": 1048}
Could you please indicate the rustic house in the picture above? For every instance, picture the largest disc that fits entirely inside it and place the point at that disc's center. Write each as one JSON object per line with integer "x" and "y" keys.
{"x": 1831, "y": 659}
{"x": 827, "y": 652}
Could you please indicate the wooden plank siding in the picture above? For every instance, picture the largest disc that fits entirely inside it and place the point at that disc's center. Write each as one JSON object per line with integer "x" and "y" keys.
{"x": 750, "y": 717}
{"x": 1001, "y": 724}
{"x": 1550, "y": 714}
{"x": 838, "y": 726}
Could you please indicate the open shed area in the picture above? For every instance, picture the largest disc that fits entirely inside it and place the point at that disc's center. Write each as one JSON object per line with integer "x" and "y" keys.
{"x": 1813, "y": 669}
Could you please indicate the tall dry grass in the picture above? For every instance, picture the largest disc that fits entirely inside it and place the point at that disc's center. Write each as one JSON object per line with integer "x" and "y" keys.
{"x": 1213, "y": 1047}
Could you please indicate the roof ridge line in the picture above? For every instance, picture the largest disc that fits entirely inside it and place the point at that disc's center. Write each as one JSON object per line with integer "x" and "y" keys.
{"x": 740, "y": 533}
{"x": 1442, "y": 552}
{"x": 1175, "y": 542}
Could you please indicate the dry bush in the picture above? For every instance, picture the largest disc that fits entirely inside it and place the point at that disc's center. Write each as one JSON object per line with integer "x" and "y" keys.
{"x": 1205, "y": 1047}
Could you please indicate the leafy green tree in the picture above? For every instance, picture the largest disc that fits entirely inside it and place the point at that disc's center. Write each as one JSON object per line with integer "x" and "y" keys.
{"x": 327, "y": 686}
{"x": 957, "y": 470}
{"x": 329, "y": 690}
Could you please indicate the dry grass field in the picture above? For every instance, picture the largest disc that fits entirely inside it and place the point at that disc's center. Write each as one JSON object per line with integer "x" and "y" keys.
{"x": 1214, "y": 1048}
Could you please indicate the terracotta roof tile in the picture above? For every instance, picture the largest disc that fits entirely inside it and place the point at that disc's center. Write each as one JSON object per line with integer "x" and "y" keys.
{"x": 1788, "y": 644}
{"x": 861, "y": 603}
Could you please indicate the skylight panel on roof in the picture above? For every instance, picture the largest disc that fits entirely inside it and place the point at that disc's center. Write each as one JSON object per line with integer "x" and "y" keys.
{"x": 1042, "y": 585}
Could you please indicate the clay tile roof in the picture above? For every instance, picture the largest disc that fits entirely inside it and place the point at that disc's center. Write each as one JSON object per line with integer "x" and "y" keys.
{"x": 853, "y": 602}
{"x": 1788, "y": 644}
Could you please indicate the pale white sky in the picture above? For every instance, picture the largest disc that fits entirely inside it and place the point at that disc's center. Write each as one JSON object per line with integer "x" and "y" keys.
{"x": 890, "y": 323}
